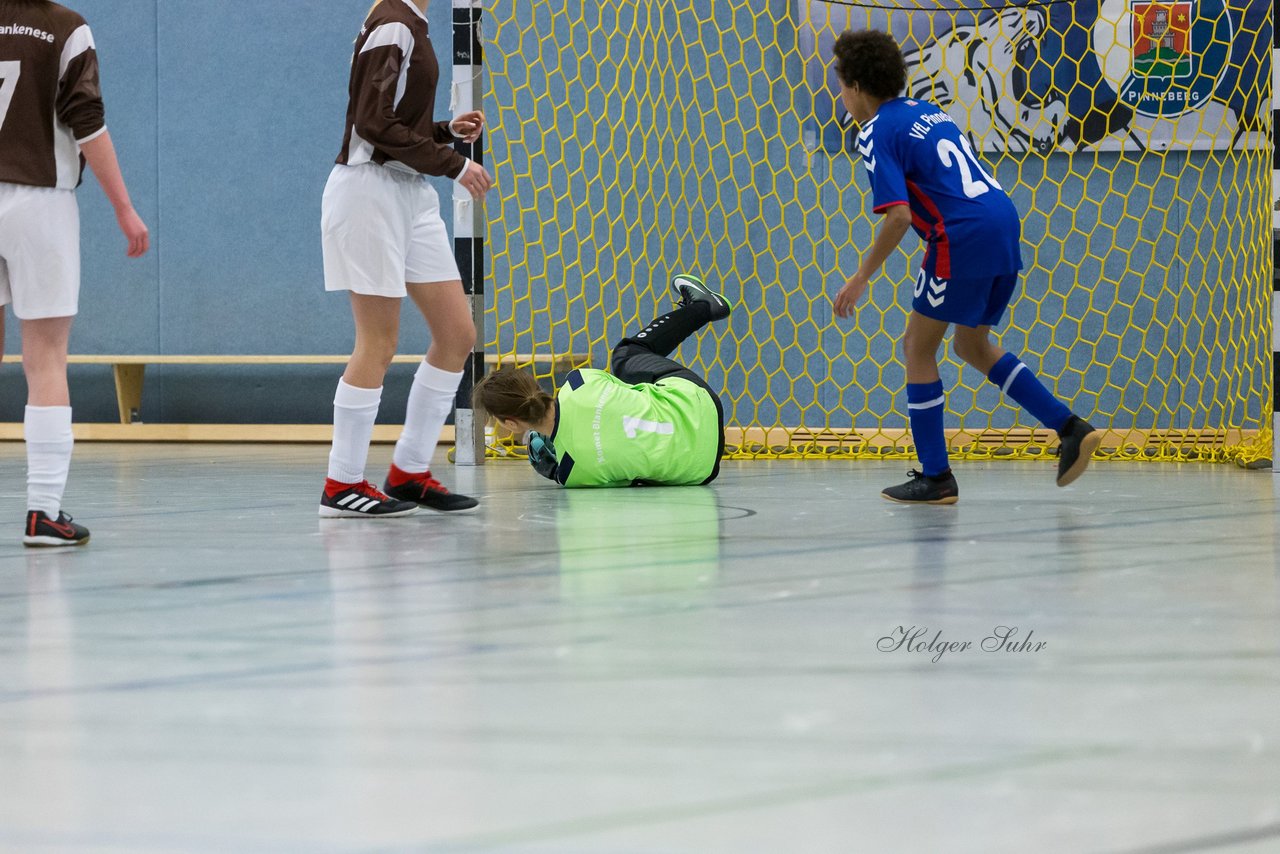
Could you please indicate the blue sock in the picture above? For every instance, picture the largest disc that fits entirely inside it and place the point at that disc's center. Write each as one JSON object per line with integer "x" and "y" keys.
{"x": 1019, "y": 383}
{"x": 925, "y": 404}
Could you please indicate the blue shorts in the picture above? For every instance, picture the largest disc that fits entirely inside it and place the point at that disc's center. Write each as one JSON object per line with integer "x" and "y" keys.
{"x": 965, "y": 302}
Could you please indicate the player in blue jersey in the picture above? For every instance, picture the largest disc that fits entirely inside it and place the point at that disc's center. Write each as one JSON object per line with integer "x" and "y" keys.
{"x": 924, "y": 175}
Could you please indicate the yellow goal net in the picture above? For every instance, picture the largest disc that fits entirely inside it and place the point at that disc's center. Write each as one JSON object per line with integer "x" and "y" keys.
{"x": 635, "y": 140}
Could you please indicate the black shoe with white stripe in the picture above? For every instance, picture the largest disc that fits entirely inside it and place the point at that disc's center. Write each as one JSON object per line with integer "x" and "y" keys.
{"x": 688, "y": 289}
{"x": 360, "y": 501}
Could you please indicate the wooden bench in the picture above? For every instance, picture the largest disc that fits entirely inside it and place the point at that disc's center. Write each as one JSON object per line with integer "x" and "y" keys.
{"x": 130, "y": 373}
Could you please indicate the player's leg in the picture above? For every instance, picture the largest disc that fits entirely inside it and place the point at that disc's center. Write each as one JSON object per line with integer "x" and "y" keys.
{"x": 47, "y": 421}
{"x": 690, "y": 291}
{"x": 447, "y": 310}
{"x": 44, "y": 361}
{"x": 365, "y": 227}
{"x": 643, "y": 358}
{"x": 359, "y": 393}
{"x": 347, "y": 494}
{"x": 41, "y": 245}
{"x": 438, "y": 294}
{"x": 926, "y": 403}
{"x": 6, "y": 293}
{"x": 47, "y": 430}
{"x": 1014, "y": 378}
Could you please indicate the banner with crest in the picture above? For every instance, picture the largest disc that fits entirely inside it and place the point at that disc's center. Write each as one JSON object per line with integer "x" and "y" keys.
{"x": 1050, "y": 76}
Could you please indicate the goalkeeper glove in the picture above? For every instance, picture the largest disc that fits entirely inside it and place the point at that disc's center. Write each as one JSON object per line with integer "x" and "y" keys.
{"x": 542, "y": 454}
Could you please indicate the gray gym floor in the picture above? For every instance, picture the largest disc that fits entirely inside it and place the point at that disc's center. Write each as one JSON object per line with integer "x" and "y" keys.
{"x": 684, "y": 670}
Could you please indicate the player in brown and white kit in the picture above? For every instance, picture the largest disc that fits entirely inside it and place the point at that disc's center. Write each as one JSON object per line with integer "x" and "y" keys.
{"x": 384, "y": 239}
{"x": 51, "y": 123}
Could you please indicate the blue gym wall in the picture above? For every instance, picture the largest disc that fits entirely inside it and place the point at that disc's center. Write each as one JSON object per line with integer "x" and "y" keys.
{"x": 228, "y": 116}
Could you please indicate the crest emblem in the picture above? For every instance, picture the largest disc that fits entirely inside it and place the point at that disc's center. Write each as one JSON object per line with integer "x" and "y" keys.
{"x": 1167, "y": 57}
{"x": 1162, "y": 40}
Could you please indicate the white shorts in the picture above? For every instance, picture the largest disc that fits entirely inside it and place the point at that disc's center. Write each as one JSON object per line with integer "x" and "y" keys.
{"x": 39, "y": 251}
{"x": 382, "y": 228}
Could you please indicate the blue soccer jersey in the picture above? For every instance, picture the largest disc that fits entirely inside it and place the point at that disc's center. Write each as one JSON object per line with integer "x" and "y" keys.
{"x": 916, "y": 156}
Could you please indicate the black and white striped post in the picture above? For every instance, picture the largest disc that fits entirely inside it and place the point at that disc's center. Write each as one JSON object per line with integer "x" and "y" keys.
{"x": 468, "y": 223}
{"x": 1275, "y": 252}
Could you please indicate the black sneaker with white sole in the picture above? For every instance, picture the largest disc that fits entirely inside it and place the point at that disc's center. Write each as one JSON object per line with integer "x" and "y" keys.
{"x": 922, "y": 489}
{"x": 360, "y": 501}
{"x": 689, "y": 288}
{"x": 425, "y": 491}
{"x": 43, "y": 531}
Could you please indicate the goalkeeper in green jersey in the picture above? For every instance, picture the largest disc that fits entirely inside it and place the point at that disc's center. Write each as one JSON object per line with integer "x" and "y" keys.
{"x": 651, "y": 422}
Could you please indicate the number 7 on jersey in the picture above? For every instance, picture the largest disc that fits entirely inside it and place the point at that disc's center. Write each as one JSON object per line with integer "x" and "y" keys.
{"x": 9, "y": 73}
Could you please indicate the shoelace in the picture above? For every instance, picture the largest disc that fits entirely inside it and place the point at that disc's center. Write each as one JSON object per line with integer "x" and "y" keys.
{"x": 368, "y": 489}
{"x": 430, "y": 483}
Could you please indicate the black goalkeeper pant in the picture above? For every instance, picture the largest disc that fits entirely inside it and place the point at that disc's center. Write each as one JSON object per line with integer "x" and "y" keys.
{"x": 642, "y": 358}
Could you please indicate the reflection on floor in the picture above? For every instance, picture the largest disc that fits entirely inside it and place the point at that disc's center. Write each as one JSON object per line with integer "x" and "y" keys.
{"x": 779, "y": 663}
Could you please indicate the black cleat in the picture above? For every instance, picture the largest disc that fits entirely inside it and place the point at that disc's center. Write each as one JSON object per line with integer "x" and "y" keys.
{"x": 360, "y": 501}
{"x": 1079, "y": 441}
{"x": 43, "y": 531}
{"x": 689, "y": 289}
{"x": 425, "y": 491}
{"x": 925, "y": 490}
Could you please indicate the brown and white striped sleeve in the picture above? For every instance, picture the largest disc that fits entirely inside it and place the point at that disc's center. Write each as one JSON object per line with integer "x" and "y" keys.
{"x": 376, "y": 76}
{"x": 79, "y": 105}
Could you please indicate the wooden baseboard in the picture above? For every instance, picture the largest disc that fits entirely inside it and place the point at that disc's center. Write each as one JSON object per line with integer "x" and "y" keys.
{"x": 875, "y": 440}
{"x": 558, "y": 362}
{"x": 240, "y": 433}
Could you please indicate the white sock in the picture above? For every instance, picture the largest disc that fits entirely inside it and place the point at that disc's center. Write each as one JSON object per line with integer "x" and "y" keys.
{"x": 354, "y": 411}
{"x": 430, "y": 402}
{"x": 47, "y": 430}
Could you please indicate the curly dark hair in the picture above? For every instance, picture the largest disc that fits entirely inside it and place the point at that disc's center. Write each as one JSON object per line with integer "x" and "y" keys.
{"x": 872, "y": 60}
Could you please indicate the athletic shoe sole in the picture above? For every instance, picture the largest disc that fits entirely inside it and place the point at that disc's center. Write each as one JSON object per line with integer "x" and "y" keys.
{"x": 52, "y": 542}
{"x": 467, "y": 511}
{"x": 339, "y": 513}
{"x": 950, "y": 499}
{"x": 1088, "y": 445}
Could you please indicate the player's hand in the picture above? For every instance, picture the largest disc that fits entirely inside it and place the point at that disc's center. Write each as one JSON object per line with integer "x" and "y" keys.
{"x": 468, "y": 126}
{"x": 135, "y": 231}
{"x": 542, "y": 454}
{"x": 849, "y": 295}
{"x": 476, "y": 180}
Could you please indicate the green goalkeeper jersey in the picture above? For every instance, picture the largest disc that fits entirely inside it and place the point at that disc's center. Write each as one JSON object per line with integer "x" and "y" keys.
{"x": 609, "y": 433}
